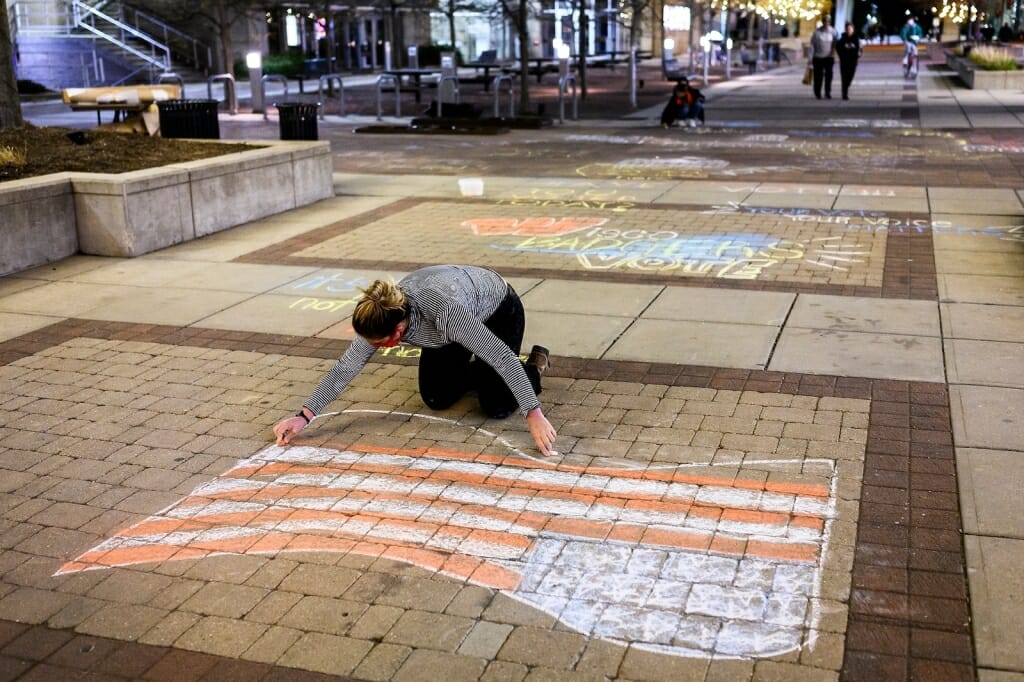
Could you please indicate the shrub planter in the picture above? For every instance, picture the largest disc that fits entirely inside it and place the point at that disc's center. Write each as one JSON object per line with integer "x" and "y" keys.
{"x": 975, "y": 77}
{"x": 51, "y": 217}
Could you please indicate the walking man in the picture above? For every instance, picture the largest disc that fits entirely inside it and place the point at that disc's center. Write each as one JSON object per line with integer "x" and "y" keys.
{"x": 849, "y": 51}
{"x": 822, "y": 60}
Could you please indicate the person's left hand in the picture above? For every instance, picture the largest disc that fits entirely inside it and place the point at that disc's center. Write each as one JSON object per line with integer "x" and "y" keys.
{"x": 542, "y": 431}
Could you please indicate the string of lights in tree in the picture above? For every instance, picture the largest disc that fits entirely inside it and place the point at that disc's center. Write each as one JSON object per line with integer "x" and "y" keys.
{"x": 786, "y": 9}
{"x": 958, "y": 12}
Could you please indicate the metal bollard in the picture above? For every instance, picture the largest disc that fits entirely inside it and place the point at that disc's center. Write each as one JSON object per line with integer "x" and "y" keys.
{"x": 496, "y": 84}
{"x": 229, "y": 90}
{"x": 173, "y": 79}
{"x": 562, "y": 83}
{"x": 326, "y": 80}
{"x": 454, "y": 80}
{"x": 387, "y": 78}
{"x": 276, "y": 78}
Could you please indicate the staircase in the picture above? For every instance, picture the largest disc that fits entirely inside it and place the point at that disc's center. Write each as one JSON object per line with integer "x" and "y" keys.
{"x": 84, "y": 43}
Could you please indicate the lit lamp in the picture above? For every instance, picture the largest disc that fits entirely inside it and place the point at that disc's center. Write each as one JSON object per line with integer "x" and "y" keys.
{"x": 254, "y": 61}
{"x": 562, "y": 51}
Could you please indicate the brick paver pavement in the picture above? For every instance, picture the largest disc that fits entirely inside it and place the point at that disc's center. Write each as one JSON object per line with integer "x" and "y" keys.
{"x": 784, "y": 361}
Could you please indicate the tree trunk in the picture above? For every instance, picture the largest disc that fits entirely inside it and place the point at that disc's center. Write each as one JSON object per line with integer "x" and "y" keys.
{"x": 226, "y": 45}
{"x": 582, "y": 49}
{"x": 10, "y": 105}
{"x": 451, "y": 23}
{"x": 522, "y": 30}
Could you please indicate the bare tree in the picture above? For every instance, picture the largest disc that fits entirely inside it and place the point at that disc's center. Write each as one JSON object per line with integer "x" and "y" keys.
{"x": 631, "y": 18}
{"x": 518, "y": 13}
{"x": 450, "y": 7}
{"x": 220, "y": 16}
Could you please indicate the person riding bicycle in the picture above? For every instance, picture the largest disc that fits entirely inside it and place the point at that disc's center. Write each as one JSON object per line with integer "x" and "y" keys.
{"x": 911, "y": 35}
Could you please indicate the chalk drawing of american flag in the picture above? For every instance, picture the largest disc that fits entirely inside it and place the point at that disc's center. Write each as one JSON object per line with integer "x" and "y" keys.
{"x": 684, "y": 560}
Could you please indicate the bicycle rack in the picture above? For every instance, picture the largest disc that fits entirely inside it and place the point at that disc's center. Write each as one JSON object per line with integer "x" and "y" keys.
{"x": 496, "y": 84}
{"x": 276, "y": 78}
{"x": 327, "y": 80}
{"x": 172, "y": 79}
{"x": 388, "y": 78}
{"x": 229, "y": 90}
{"x": 454, "y": 80}
{"x": 562, "y": 83}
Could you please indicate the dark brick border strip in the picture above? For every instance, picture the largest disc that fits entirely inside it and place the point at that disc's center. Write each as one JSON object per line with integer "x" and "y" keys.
{"x": 909, "y": 606}
{"x": 908, "y": 272}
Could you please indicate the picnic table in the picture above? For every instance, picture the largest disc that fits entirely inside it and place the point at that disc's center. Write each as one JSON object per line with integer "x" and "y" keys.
{"x": 122, "y": 100}
{"x": 415, "y": 77}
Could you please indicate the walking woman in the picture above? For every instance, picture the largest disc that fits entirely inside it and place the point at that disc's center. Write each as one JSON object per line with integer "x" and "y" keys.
{"x": 469, "y": 323}
{"x": 849, "y": 50}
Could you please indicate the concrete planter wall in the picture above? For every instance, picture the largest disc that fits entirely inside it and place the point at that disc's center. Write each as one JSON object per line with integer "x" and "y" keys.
{"x": 47, "y": 218}
{"x": 980, "y": 79}
{"x": 37, "y": 222}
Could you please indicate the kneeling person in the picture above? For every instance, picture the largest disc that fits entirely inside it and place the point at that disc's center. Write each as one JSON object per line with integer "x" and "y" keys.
{"x": 685, "y": 104}
{"x": 469, "y": 323}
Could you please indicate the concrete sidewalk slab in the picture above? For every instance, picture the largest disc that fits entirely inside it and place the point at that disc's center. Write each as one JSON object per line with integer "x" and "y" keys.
{"x": 993, "y": 571}
{"x": 581, "y": 336}
{"x": 981, "y": 289}
{"x": 162, "y": 306}
{"x": 874, "y": 197}
{"x": 984, "y": 363}
{"x": 591, "y": 298}
{"x": 877, "y": 316}
{"x": 962, "y": 199}
{"x": 846, "y": 354}
{"x": 990, "y": 485}
{"x": 64, "y": 299}
{"x": 719, "y": 305}
{"x": 981, "y": 322}
{"x": 987, "y": 417}
{"x": 698, "y": 343}
{"x": 980, "y": 262}
{"x": 14, "y": 324}
{"x": 273, "y": 314}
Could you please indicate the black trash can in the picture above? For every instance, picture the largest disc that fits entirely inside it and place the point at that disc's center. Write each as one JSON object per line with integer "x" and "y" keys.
{"x": 191, "y": 118}
{"x": 297, "y": 120}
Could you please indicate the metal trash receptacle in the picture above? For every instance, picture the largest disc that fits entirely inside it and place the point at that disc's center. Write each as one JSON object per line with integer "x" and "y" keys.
{"x": 189, "y": 118}
{"x": 297, "y": 120}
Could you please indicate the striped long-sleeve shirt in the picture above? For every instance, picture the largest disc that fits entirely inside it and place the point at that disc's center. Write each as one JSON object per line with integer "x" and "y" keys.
{"x": 447, "y": 304}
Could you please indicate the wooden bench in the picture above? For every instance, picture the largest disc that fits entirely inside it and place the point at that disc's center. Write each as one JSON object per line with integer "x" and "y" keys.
{"x": 122, "y": 100}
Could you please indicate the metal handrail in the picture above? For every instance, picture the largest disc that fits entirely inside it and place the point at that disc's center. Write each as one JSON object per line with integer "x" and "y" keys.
{"x": 276, "y": 78}
{"x": 381, "y": 79}
{"x": 496, "y": 84}
{"x": 169, "y": 31}
{"x": 326, "y": 80}
{"x": 454, "y": 80}
{"x": 229, "y": 90}
{"x": 562, "y": 83}
{"x": 78, "y": 6}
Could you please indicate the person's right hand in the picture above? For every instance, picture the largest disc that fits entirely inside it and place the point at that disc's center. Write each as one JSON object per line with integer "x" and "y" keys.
{"x": 286, "y": 429}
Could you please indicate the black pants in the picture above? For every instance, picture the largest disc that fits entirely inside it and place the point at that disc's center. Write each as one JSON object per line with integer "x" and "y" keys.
{"x": 847, "y": 67}
{"x": 823, "y": 74}
{"x": 449, "y": 372}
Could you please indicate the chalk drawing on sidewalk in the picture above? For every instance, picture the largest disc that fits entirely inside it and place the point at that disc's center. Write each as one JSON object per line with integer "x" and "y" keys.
{"x": 726, "y": 256}
{"x": 677, "y": 168}
{"x": 691, "y": 560}
{"x": 865, "y": 123}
